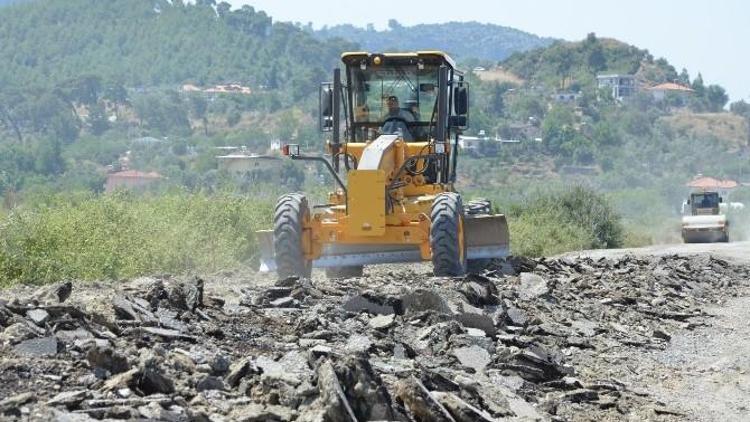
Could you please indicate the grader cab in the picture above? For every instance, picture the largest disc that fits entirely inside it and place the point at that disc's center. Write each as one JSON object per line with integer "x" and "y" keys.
{"x": 395, "y": 170}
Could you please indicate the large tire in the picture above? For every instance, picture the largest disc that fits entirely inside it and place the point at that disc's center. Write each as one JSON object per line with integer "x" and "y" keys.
{"x": 289, "y": 217}
{"x": 446, "y": 236}
{"x": 345, "y": 272}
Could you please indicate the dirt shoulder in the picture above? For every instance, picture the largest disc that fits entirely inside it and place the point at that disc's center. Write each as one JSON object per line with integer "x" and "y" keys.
{"x": 704, "y": 373}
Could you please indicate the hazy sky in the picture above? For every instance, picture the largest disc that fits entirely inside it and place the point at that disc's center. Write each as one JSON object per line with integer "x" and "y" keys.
{"x": 711, "y": 37}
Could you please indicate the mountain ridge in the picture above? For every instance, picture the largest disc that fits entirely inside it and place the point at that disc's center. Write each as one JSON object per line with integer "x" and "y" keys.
{"x": 489, "y": 41}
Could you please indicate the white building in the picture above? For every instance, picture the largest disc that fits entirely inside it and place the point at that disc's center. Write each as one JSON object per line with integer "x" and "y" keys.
{"x": 621, "y": 86}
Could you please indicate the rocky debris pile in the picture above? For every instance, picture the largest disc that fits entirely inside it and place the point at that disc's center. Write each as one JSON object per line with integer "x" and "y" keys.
{"x": 396, "y": 345}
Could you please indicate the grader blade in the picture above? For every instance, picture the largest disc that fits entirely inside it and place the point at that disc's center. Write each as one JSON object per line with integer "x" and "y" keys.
{"x": 338, "y": 255}
{"x": 267, "y": 258}
{"x": 487, "y": 236}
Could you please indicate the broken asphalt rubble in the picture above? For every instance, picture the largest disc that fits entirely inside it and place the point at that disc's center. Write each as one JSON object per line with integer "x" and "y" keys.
{"x": 394, "y": 345}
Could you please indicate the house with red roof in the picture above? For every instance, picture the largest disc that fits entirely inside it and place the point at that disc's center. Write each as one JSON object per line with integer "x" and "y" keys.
{"x": 131, "y": 179}
{"x": 660, "y": 92}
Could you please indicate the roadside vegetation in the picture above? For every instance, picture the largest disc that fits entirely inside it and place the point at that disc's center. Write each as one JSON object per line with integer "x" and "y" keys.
{"x": 62, "y": 132}
{"x": 114, "y": 236}
{"x": 552, "y": 222}
{"x": 121, "y": 235}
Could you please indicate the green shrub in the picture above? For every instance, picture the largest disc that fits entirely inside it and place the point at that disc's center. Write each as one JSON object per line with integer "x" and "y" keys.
{"x": 125, "y": 235}
{"x": 545, "y": 232}
{"x": 570, "y": 219}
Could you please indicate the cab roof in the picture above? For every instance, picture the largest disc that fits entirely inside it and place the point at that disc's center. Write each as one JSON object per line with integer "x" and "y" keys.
{"x": 355, "y": 57}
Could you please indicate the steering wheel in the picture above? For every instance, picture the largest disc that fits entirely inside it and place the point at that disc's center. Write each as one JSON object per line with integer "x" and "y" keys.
{"x": 395, "y": 118}
{"x": 392, "y": 118}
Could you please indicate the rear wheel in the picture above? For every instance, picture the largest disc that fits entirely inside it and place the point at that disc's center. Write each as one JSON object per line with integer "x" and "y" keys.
{"x": 345, "y": 272}
{"x": 447, "y": 235}
{"x": 290, "y": 215}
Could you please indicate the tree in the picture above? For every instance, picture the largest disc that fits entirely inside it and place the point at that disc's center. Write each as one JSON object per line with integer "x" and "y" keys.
{"x": 8, "y": 119}
{"x": 287, "y": 126}
{"x": 717, "y": 98}
{"x": 292, "y": 175}
{"x": 605, "y": 134}
{"x": 98, "y": 119}
{"x": 84, "y": 89}
{"x": 698, "y": 86}
{"x": 49, "y": 114}
{"x": 558, "y": 130}
{"x": 49, "y": 159}
{"x": 740, "y": 108}
{"x": 199, "y": 107}
{"x": 393, "y": 25}
{"x": 596, "y": 59}
{"x": 164, "y": 114}
{"x": 223, "y": 8}
{"x": 115, "y": 92}
{"x": 684, "y": 78}
{"x": 496, "y": 101}
{"x": 563, "y": 62}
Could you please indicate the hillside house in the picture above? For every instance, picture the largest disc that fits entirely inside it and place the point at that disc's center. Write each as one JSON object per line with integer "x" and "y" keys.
{"x": 131, "y": 179}
{"x": 218, "y": 89}
{"x": 621, "y": 86}
{"x": 660, "y": 92}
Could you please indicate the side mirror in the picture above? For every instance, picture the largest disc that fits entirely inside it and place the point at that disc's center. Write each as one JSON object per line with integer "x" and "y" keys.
{"x": 461, "y": 100}
{"x": 721, "y": 200}
{"x": 325, "y": 103}
{"x": 688, "y": 202}
{"x": 457, "y": 121}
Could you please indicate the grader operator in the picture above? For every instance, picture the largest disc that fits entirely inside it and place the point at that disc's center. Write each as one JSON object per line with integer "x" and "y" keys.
{"x": 395, "y": 171}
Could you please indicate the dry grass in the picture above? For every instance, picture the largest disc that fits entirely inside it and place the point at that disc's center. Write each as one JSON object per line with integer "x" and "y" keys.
{"x": 498, "y": 74}
{"x": 730, "y": 129}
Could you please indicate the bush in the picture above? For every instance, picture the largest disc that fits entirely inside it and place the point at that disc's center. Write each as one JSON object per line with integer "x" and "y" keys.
{"x": 124, "y": 235}
{"x": 571, "y": 219}
{"x": 543, "y": 232}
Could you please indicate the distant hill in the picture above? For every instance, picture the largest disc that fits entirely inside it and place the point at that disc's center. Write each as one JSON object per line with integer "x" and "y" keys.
{"x": 7, "y": 2}
{"x": 156, "y": 42}
{"x": 574, "y": 65}
{"x": 460, "y": 39}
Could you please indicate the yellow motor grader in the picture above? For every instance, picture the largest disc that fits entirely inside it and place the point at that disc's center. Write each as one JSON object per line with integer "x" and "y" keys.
{"x": 395, "y": 169}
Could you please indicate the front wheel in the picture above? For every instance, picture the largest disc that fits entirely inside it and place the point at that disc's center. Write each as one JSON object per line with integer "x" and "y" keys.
{"x": 290, "y": 216}
{"x": 447, "y": 236}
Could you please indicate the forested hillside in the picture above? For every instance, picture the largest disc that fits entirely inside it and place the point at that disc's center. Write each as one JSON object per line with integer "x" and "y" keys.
{"x": 461, "y": 39}
{"x": 87, "y": 85}
{"x": 81, "y": 79}
{"x": 573, "y": 67}
{"x": 154, "y": 42}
